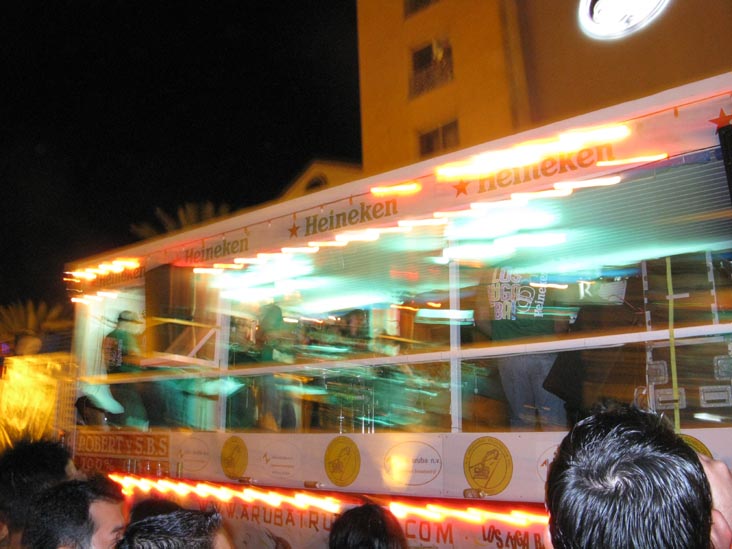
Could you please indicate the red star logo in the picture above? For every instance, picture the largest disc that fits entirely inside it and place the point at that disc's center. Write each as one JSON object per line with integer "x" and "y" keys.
{"x": 461, "y": 188}
{"x": 294, "y": 229}
{"x": 722, "y": 120}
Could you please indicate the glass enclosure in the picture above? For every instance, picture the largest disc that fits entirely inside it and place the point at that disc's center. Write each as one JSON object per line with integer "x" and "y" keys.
{"x": 614, "y": 292}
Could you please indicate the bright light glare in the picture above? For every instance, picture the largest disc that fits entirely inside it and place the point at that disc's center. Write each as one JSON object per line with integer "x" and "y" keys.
{"x": 530, "y": 153}
{"x": 499, "y": 223}
{"x": 301, "y": 250}
{"x": 533, "y": 240}
{"x": 403, "y": 189}
{"x": 596, "y": 182}
{"x": 477, "y": 251}
{"x": 327, "y": 244}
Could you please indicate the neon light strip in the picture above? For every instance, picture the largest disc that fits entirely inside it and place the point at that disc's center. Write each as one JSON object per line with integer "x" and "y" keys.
{"x": 403, "y": 189}
{"x": 330, "y": 504}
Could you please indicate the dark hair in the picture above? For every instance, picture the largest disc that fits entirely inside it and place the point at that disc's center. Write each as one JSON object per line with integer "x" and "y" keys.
{"x": 25, "y": 470}
{"x": 178, "y": 529}
{"x": 623, "y": 478}
{"x": 60, "y": 515}
{"x": 151, "y": 507}
{"x": 368, "y": 526}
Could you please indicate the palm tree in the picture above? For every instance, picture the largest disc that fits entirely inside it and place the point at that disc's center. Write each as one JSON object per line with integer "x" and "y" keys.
{"x": 33, "y": 319}
{"x": 191, "y": 213}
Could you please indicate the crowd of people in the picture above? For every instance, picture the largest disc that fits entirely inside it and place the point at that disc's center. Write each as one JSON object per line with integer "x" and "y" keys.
{"x": 620, "y": 478}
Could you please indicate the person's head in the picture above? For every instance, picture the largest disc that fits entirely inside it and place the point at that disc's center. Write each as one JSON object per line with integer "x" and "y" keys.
{"x": 623, "y": 478}
{"x": 77, "y": 514}
{"x": 151, "y": 507}
{"x": 367, "y": 526}
{"x": 355, "y": 323}
{"x": 28, "y": 343}
{"x": 129, "y": 321}
{"x": 184, "y": 529}
{"x": 26, "y": 469}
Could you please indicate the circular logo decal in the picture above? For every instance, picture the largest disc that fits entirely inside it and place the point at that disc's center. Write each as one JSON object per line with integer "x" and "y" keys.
{"x": 342, "y": 461}
{"x": 488, "y": 466}
{"x": 234, "y": 457}
{"x": 194, "y": 455}
{"x": 412, "y": 463}
{"x": 545, "y": 460}
{"x": 697, "y": 445}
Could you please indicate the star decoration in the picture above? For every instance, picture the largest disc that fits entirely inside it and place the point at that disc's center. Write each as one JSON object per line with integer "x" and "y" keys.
{"x": 722, "y": 120}
{"x": 461, "y": 188}
{"x": 294, "y": 229}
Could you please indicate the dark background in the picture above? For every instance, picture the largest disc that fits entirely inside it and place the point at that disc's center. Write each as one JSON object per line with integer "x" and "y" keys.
{"x": 111, "y": 108}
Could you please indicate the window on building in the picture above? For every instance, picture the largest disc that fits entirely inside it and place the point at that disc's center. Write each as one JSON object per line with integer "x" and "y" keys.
{"x": 413, "y": 6}
{"x": 431, "y": 67}
{"x": 439, "y": 139}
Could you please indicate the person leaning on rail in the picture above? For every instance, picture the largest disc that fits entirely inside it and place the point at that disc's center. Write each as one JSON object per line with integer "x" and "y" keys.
{"x": 623, "y": 478}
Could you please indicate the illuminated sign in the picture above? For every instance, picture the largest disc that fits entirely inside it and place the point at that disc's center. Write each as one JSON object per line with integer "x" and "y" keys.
{"x": 611, "y": 19}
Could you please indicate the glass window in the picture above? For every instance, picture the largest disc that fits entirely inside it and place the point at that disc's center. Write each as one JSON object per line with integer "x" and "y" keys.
{"x": 431, "y": 67}
{"x": 442, "y": 138}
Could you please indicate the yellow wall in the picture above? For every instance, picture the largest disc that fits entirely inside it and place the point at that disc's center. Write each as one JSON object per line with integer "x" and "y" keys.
{"x": 519, "y": 64}
{"x": 480, "y": 95}
{"x": 570, "y": 74}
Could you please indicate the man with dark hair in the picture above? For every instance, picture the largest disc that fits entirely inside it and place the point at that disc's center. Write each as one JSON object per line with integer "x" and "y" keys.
{"x": 623, "y": 478}
{"x": 26, "y": 469}
{"x": 184, "y": 529}
{"x": 151, "y": 507}
{"x": 367, "y": 526}
{"x": 76, "y": 514}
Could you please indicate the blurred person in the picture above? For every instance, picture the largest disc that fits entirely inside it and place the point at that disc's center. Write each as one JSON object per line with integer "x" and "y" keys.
{"x": 26, "y": 469}
{"x": 77, "y": 514}
{"x": 28, "y": 343}
{"x": 121, "y": 351}
{"x": 623, "y": 478}
{"x": 367, "y": 526}
{"x": 151, "y": 507}
{"x": 184, "y": 529}
{"x": 509, "y": 305}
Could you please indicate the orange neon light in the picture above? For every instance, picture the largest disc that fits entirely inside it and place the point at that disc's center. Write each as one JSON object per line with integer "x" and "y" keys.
{"x": 633, "y": 160}
{"x": 304, "y": 500}
{"x": 405, "y": 307}
{"x": 530, "y": 152}
{"x": 403, "y": 189}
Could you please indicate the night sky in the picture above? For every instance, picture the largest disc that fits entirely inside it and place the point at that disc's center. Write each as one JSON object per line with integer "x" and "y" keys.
{"x": 112, "y": 108}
